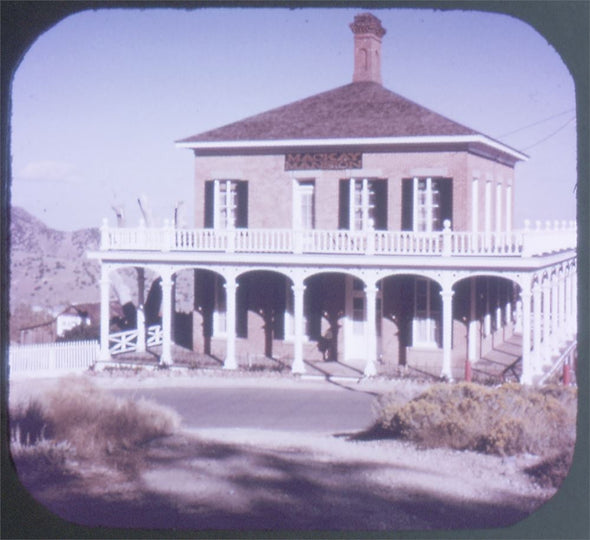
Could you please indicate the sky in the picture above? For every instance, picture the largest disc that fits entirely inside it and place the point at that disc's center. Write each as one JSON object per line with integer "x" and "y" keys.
{"x": 99, "y": 100}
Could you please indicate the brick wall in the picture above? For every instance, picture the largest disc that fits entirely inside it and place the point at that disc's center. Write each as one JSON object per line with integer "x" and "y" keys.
{"x": 270, "y": 187}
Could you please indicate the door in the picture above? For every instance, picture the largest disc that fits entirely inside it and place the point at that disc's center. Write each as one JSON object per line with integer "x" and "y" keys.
{"x": 356, "y": 326}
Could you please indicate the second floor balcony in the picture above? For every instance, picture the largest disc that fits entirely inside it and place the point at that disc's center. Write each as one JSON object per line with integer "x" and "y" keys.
{"x": 541, "y": 239}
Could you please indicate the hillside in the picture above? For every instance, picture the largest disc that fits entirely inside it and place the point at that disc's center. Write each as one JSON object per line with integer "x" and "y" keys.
{"x": 49, "y": 268}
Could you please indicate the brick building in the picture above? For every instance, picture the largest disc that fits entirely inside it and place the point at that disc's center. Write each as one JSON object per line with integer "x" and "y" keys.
{"x": 358, "y": 227}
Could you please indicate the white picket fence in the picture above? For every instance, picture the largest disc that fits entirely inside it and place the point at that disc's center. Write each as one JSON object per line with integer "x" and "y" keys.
{"x": 51, "y": 359}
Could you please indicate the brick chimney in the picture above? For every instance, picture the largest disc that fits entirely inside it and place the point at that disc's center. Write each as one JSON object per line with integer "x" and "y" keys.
{"x": 367, "y": 32}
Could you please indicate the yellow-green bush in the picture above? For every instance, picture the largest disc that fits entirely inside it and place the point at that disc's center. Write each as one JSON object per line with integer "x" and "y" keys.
{"x": 509, "y": 419}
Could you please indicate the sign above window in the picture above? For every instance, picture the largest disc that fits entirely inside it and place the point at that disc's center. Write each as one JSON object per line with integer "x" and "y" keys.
{"x": 305, "y": 161}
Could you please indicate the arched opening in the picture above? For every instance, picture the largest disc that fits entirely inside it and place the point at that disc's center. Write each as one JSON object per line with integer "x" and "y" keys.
{"x": 209, "y": 313}
{"x": 411, "y": 324}
{"x": 135, "y": 306}
{"x": 183, "y": 302}
{"x": 324, "y": 312}
{"x": 487, "y": 333}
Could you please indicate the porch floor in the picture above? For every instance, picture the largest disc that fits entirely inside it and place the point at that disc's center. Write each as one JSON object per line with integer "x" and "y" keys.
{"x": 501, "y": 363}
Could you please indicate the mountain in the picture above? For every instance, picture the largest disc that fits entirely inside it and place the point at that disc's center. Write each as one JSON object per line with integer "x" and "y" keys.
{"x": 48, "y": 268}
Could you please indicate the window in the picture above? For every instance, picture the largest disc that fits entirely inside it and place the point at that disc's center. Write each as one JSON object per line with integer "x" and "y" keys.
{"x": 363, "y": 204}
{"x": 226, "y": 204}
{"x": 304, "y": 201}
{"x": 425, "y": 325}
{"x": 426, "y": 203}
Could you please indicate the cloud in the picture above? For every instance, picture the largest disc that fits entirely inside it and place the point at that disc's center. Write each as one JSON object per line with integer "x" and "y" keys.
{"x": 49, "y": 171}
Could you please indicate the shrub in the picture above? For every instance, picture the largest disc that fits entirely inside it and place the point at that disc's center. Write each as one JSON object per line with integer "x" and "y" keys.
{"x": 96, "y": 422}
{"x": 91, "y": 421}
{"x": 509, "y": 419}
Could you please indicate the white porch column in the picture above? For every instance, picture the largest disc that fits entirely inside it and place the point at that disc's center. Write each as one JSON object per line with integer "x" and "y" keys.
{"x": 562, "y": 307}
{"x": 527, "y": 368}
{"x": 575, "y": 299}
{"x": 166, "y": 358}
{"x": 140, "y": 313}
{"x": 105, "y": 287}
{"x": 518, "y": 317}
{"x": 140, "y": 329}
{"x": 231, "y": 287}
{"x": 573, "y": 322}
{"x": 472, "y": 335}
{"x": 371, "y": 330}
{"x": 554, "y": 314}
{"x": 447, "y": 327}
{"x": 537, "y": 352}
{"x": 298, "y": 292}
{"x": 547, "y": 347}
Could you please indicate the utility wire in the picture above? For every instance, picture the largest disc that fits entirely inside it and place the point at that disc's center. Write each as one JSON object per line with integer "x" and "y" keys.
{"x": 534, "y": 124}
{"x": 550, "y": 135}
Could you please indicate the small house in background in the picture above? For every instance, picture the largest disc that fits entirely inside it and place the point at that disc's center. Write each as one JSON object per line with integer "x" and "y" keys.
{"x": 56, "y": 326}
{"x": 359, "y": 227}
{"x": 74, "y": 316}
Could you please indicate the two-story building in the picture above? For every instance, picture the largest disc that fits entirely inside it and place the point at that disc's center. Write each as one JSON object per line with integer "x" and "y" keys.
{"x": 360, "y": 227}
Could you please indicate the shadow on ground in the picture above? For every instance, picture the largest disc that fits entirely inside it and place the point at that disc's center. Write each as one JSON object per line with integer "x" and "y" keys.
{"x": 185, "y": 483}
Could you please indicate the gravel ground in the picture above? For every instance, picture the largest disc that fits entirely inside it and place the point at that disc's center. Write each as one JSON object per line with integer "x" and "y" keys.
{"x": 251, "y": 479}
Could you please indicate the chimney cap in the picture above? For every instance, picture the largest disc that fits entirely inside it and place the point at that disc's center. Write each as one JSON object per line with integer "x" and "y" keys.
{"x": 367, "y": 23}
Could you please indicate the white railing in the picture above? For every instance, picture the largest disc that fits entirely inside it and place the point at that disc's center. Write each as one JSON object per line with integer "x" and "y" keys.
{"x": 127, "y": 340}
{"x": 567, "y": 357}
{"x": 51, "y": 359}
{"x": 552, "y": 237}
{"x": 154, "y": 335}
{"x": 123, "y": 342}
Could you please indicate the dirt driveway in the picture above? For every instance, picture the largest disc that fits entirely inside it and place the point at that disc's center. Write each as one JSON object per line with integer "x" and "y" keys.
{"x": 273, "y": 480}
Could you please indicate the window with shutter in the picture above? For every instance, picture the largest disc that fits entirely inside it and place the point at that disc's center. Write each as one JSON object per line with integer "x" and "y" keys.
{"x": 426, "y": 203}
{"x": 363, "y": 204}
{"x": 226, "y": 204}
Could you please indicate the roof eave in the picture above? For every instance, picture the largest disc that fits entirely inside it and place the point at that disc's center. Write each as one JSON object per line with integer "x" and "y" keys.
{"x": 475, "y": 142}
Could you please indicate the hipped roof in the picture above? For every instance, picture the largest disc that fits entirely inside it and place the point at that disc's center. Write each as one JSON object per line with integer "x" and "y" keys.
{"x": 356, "y": 110}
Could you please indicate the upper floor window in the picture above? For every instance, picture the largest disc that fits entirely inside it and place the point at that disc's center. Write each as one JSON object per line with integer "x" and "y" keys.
{"x": 363, "y": 204}
{"x": 426, "y": 203}
{"x": 226, "y": 204}
{"x": 304, "y": 205}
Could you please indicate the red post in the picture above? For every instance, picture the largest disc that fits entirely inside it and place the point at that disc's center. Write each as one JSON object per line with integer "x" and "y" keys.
{"x": 467, "y": 371}
{"x": 566, "y": 373}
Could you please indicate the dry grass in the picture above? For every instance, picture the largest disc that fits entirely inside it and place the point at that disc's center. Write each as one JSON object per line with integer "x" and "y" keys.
{"x": 77, "y": 421}
{"x": 95, "y": 422}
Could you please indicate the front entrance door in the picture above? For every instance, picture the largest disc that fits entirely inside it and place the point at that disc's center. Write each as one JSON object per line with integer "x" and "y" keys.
{"x": 356, "y": 327}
